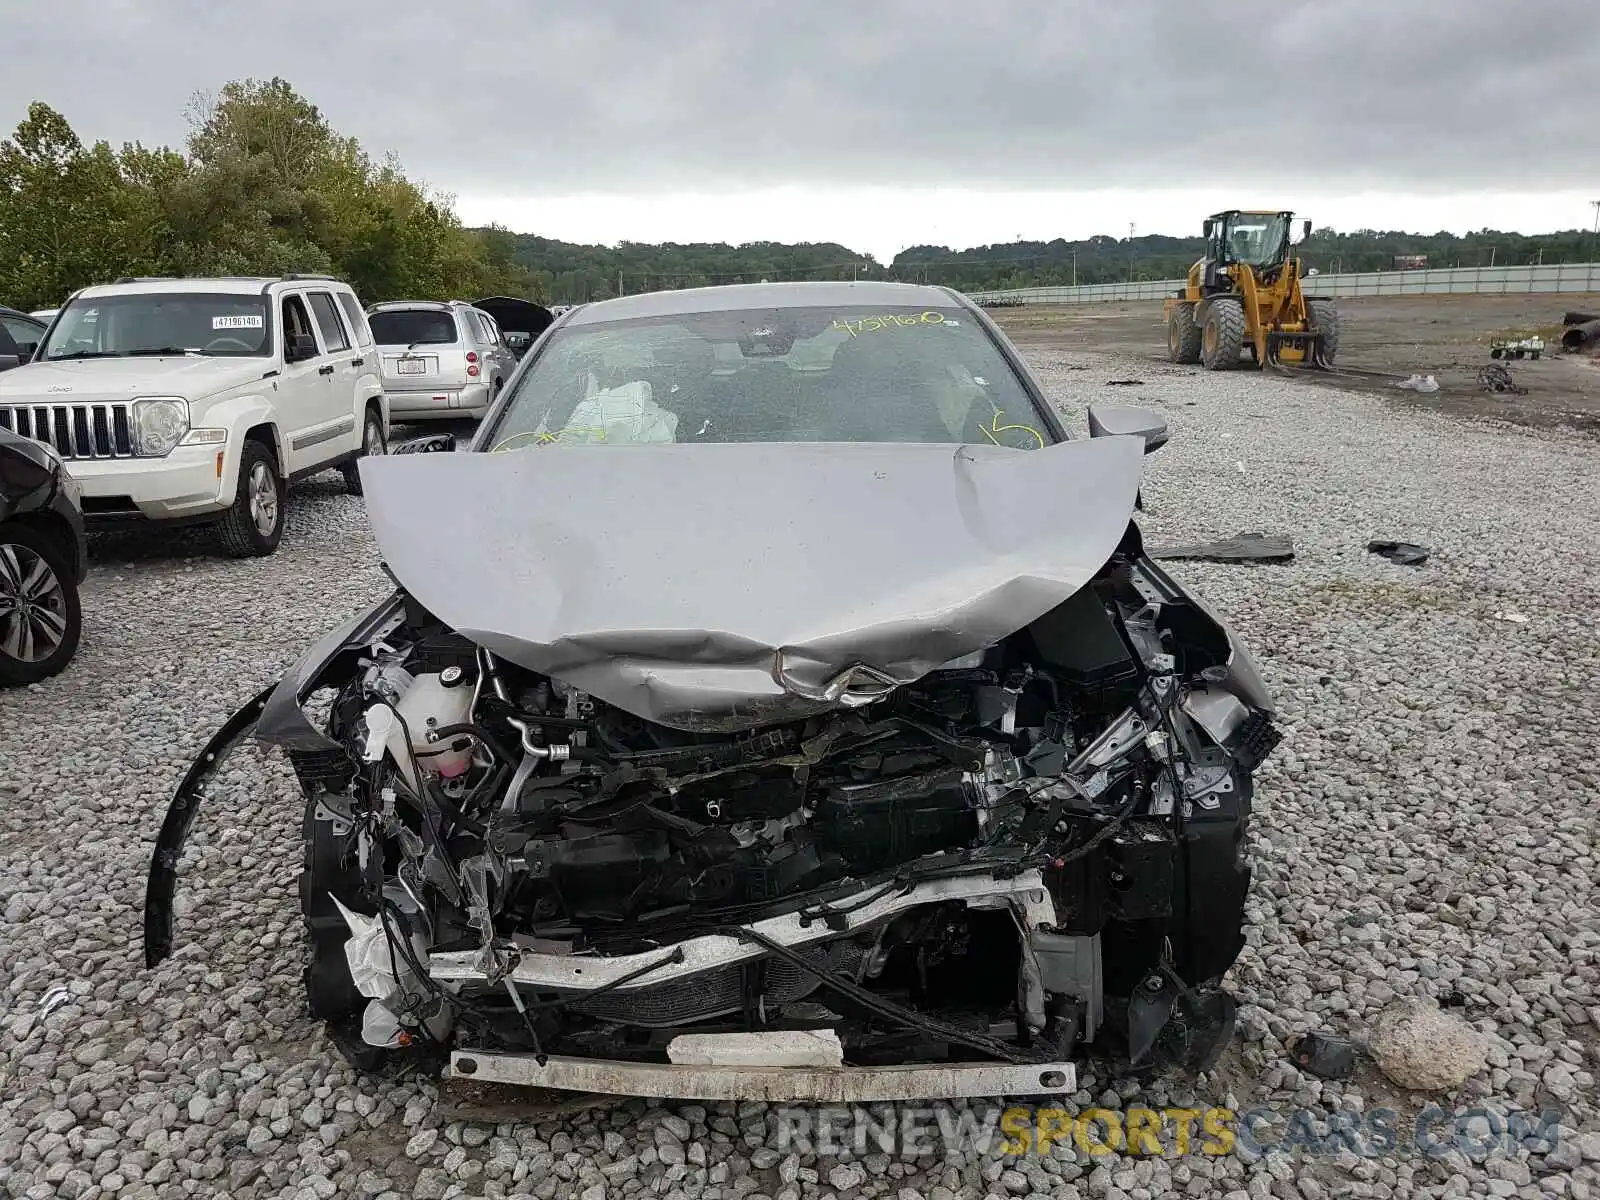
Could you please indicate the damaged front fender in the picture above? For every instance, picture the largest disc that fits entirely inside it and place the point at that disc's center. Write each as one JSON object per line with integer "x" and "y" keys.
{"x": 162, "y": 885}
{"x": 273, "y": 716}
{"x": 283, "y": 721}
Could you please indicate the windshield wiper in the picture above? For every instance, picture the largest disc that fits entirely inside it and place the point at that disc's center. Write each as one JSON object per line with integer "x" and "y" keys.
{"x": 163, "y": 351}
{"x": 85, "y": 354}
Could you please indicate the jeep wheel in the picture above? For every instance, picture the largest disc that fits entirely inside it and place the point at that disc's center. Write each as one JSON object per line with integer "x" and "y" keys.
{"x": 253, "y": 527}
{"x": 40, "y": 619}
{"x": 372, "y": 442}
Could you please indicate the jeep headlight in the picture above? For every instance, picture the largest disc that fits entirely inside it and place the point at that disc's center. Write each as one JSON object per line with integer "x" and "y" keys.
{"x": 159, "y": 423}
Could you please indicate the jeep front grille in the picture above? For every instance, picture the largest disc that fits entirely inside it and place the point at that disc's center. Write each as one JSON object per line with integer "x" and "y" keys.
{"x": 75, "y": 431}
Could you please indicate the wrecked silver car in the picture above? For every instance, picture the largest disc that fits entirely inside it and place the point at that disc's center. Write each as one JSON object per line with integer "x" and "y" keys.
{"x": 775, "y": 703}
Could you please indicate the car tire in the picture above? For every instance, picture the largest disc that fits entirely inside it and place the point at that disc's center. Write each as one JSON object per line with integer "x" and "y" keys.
{"x": 372, "y": 442}
{"x": 1183, "y": 335}
{"x": 253, "y": 527}
{"x": 41, "y": 618}
{"x": 1222, "y": 337}
{"x": 1325, "y": 317}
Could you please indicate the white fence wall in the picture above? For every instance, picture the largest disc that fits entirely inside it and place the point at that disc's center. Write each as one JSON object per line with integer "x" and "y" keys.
{"x": 1491, "y": 281}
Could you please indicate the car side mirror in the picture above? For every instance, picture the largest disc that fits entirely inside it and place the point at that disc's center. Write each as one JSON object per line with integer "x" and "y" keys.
{"x": 1116, "y": 420}
{"x": 433, "y": 443}
{"x": 1305, "y": 231}
{"x": 300, "y": 347}
{"x": 7, "y": 361}
{"x": 1205, "y": 228}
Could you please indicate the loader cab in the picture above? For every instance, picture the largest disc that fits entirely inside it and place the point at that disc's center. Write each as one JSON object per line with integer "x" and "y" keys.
{"x": 1258, "y": 240}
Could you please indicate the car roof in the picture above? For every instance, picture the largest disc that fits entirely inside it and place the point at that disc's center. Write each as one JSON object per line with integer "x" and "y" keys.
{"x": 17, "y": 312}
{"x": 233, "y": 285}
{"x": 416, "y": 306}
{"x": 735, "y": 296}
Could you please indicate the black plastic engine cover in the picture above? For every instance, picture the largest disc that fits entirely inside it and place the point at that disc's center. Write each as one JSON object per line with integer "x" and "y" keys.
{"x": 891, "y": 821}
{"x": 596, "y": 875}
{"x": 1080, "y": 640}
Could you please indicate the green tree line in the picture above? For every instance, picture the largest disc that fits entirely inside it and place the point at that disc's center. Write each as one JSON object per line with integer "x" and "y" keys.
{"x": 1107, "y": 259}
{"x": 570, "y": 273}
{"x": 264, "y": 185}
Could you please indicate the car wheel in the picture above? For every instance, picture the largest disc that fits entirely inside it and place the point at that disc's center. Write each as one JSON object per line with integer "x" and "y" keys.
{"x": 372, "y": 442}
{"x": 40, "y": 617}
{"x": 253, "y": 527}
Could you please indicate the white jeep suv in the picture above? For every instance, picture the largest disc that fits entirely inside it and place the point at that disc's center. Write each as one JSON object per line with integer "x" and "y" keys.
{"x": 189, "y": 401}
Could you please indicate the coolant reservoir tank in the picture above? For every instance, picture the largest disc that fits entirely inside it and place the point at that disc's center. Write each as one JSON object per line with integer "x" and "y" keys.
{"x": 433, "y": 702}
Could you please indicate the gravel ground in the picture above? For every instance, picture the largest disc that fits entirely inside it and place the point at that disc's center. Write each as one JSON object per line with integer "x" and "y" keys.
{"x": 1428, "y": 828}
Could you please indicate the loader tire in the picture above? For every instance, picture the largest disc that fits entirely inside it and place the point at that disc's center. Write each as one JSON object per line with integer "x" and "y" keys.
{"x": 1325, "y": 317}
{"x": 1222, "y": 338}
{"x": 1183, "y": 335}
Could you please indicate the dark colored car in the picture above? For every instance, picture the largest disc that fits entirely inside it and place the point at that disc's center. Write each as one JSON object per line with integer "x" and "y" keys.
{"x": 20, "y": 335}
{"x": 42, "y": 562}
{"x": 775, "y": 703}
{"x": 521, "y": 321}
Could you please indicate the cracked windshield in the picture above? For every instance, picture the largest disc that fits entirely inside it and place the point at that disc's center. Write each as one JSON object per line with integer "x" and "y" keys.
{"x": 783, "y": 375}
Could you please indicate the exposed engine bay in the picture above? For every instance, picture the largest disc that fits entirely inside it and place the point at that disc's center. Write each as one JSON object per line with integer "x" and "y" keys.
{"x": 1031, "y": 852}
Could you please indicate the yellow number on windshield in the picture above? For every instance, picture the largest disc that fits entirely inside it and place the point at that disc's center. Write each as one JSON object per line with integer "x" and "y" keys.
{"x": 994, "y": 429}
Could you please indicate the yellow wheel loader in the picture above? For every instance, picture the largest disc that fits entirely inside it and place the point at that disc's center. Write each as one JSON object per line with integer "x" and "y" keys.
{"x": 1244, "y": 297}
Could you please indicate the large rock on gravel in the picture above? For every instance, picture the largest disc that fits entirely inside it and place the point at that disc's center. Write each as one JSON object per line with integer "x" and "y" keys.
{"x": 1421, "y": 1047}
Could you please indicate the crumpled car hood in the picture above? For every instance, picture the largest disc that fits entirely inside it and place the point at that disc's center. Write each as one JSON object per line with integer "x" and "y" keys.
{"x": 724, "y": 586}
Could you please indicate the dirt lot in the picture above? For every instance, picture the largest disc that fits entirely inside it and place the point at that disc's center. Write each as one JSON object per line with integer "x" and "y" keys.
{"x": 1443, "y": 336}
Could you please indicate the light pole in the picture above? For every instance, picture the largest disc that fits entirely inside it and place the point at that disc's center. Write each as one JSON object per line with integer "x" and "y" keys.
{"x": 1595, "y": 232}
{"x": 1130, "y": 251}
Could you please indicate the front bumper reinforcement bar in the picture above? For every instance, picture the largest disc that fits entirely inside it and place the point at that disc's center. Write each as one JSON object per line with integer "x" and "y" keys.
{"x": 798, "y": 1085}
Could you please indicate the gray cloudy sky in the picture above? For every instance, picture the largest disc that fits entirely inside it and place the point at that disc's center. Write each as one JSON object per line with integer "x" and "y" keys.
{"x": 882, "y": 120}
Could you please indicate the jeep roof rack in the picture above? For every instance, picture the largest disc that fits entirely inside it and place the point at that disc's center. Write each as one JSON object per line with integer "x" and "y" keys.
{"x": 185, "y": 278}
